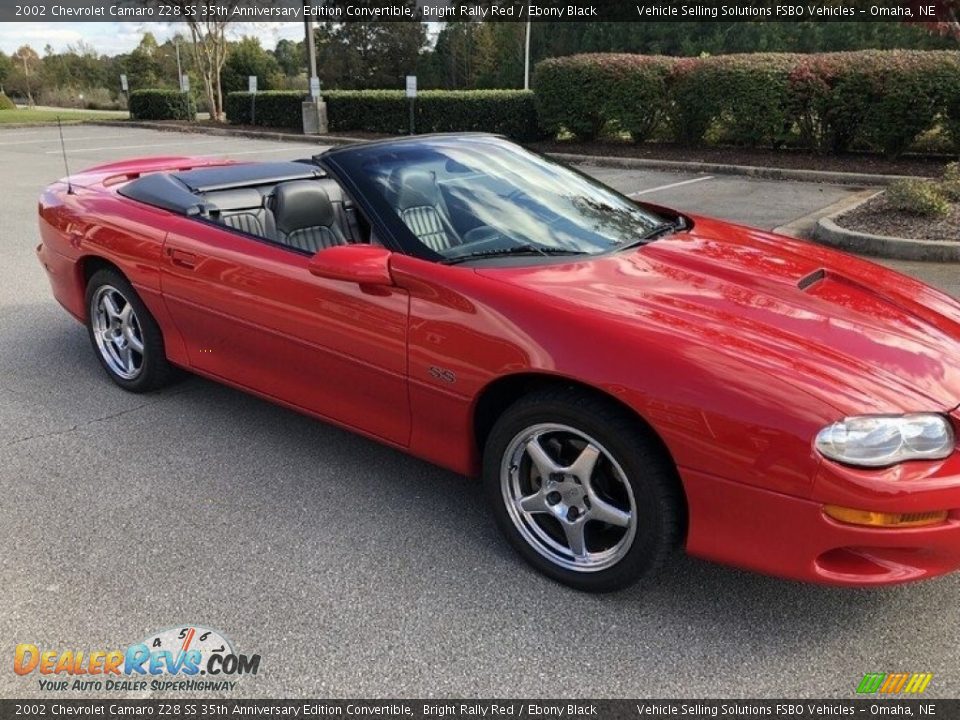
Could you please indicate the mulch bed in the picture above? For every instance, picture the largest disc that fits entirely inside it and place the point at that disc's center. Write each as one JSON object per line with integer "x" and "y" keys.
{"x": 918, "y": 165}
{"x": 878, "y": 218}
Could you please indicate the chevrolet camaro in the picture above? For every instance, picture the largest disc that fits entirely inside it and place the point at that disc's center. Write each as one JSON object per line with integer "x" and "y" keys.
{"x": 626, "y": 379}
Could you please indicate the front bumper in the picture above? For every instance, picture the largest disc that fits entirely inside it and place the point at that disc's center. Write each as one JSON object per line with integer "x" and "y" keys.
{"x": 781, "y": 535}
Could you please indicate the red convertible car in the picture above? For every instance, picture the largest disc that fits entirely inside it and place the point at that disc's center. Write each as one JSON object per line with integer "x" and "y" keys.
{"x": 625, "y": 378}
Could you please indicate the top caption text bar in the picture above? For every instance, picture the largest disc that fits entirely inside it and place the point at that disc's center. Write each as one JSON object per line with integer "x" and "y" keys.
{"x": 171, "y": 11}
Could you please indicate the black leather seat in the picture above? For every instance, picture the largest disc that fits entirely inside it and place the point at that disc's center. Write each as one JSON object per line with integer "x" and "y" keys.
{"x": 242, "y": 209}
{"x": 422, "y": 209}
{"x": 305, "y": 217}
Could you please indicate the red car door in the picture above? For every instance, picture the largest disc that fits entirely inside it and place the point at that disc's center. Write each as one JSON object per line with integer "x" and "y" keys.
{"x": 252, "y": 314}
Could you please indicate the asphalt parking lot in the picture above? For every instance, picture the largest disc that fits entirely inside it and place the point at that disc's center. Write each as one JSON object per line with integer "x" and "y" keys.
{"x": 352, "y": 569}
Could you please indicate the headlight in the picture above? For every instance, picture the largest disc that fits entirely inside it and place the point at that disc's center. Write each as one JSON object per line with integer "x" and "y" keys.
{"x": 878, "y": 441}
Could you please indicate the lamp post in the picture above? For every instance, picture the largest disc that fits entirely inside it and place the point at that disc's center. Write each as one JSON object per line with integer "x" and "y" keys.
{"x": 526, "y": 60}
{"x": 314, "y": 109}
{"x": 176, "y": 44}
{"x": 311, "y": 47}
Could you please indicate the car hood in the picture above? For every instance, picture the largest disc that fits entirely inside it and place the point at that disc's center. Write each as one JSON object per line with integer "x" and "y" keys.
{"x": 864, "y": 338}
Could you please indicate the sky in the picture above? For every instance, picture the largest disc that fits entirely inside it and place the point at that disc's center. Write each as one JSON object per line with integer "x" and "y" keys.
{"x": 112, "y": 38}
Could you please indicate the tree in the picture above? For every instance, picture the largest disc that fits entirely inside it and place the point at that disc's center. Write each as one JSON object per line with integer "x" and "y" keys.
{"x": 291, "y": 56}
{"x": 24, "y": 77}
{"x": 166, "y": 59}
{"x": 246, "y": 58}
{"x": 142, "y": 65}
{"x": 209, "y": 44}
{"x": 369, "y": 54}
{"x": 6, "y": 67}
{"x": 455, "y": 55}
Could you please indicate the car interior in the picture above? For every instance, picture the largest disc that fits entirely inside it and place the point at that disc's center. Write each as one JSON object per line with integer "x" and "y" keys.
{"x": 307, "y": 215}
{"x": 452, "y": 209}
{"x": 417, "y": 197}
{"x": 293, "y": 204}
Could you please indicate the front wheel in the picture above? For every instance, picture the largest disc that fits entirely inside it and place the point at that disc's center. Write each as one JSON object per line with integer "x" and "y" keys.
{"x": 126, "y": 338}
{"x": 581, "y": 490}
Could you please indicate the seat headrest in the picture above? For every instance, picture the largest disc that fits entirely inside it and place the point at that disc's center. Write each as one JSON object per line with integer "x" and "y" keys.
{"x": 416, "y": 188}
{"x": 301, "y": 204}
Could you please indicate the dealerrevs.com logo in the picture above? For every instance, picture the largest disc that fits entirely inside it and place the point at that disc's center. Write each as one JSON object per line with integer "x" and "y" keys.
{"x": 182, "y": 658}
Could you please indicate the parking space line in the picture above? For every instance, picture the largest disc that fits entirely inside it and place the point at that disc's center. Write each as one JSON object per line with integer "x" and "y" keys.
{"x": 131, "y": 147}
{"x": 671, "y": 185}
{"x": 52, "y": 138}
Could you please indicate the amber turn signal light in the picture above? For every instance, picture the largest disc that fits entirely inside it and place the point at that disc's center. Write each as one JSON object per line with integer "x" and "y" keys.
{"x": 881, "y": 519}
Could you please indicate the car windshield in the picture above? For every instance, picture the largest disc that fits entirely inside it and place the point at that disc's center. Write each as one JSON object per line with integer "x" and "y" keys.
{"x": 466, "y": 198}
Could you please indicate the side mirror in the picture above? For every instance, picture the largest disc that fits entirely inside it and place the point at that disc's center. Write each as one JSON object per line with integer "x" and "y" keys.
{"x": 363, "y": 264}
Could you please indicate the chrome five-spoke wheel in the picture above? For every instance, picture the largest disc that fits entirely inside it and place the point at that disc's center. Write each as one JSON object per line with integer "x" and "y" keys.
{"x": 124, "y": 334}
{"x": 568, "y": 497}
{"x": 117, "y": 332}
{"x": 582, "y": 488}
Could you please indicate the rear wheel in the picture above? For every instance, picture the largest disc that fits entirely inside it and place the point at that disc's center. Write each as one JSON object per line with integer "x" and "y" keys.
{"x": 124, "y": 335}
{"x": 581, "y": 490}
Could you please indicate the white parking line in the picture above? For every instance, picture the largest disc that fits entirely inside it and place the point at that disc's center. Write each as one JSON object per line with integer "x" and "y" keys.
{"x": 671, "y": 185}
{"x": 53, "y": 138}
{"x": 131, "y": 147}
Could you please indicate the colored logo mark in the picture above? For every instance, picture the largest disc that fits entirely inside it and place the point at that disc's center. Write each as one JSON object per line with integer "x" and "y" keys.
{"x": 893, "y": 683}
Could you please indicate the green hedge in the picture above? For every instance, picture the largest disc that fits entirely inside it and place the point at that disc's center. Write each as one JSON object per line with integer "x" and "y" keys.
{"x": 508, "y": 112}
{"x": 873, "y": 99}
{"x": 162, "y": 105}
{"x": 274, "y": 108}
{"x": 744, "y": 97}
{"x": 6, "y": 103}
{"x": 582, "y": 94}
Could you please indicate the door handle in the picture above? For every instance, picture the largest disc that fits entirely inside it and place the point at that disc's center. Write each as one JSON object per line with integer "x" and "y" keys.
{"x": 183, "y": 258}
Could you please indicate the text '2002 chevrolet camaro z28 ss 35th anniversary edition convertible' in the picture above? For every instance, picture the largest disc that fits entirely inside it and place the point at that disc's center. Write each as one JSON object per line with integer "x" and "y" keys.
{"x": 626, "y": 379}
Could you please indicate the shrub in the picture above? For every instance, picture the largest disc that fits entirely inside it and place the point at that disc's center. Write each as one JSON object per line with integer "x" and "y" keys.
{"x": 871, "y": 99}
{"x": 583, "y": 93}
{"x": 6, "y": 103}
{"x": 951, "y": 120}
{"x": 508, "y": 112}
{"x": 569, "y": 94}
{"x": 746, "y": 96}
{"x": 917, "y": 197}
{"x": 274, "y": 108}
{"x": 881, "y": 99}
{"x": 162, "y": 105}
{"x": 950, "y": 183}
{"x": 752, "y": 95}
{"x": 693, "y": 106}
{"x": 89, "y": 98}
{"x": 382, "y": 111}
{"x": 505, "y": 112}
{"x": 829, "y": 100}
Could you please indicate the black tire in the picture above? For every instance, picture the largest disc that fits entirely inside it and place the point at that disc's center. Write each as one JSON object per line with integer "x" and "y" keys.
{"x": 154, "y": 371}
{"x": 658, "y": 502}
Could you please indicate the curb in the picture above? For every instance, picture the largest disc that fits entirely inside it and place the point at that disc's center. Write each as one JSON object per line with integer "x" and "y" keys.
{"x": 826, "y": 176}
{"x": 827, "y": 232}
{"x": 804, "y": 227}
